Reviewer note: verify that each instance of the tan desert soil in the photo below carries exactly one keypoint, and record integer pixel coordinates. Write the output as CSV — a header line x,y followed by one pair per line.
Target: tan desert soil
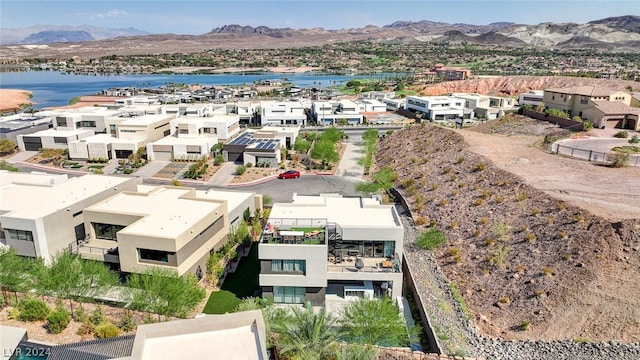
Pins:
x,y
11,99
613,194
570,272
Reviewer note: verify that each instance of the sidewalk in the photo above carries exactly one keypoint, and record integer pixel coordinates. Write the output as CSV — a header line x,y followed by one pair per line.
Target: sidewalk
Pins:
x,y
21,156
224,175
348,166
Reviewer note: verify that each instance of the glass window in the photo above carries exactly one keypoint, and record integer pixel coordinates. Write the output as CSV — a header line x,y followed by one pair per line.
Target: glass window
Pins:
x,y
61,121
288,265
106,231
154,255
288,295
23,235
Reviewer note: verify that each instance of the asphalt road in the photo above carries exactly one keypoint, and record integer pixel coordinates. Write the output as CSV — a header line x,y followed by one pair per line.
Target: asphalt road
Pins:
x,y
283,190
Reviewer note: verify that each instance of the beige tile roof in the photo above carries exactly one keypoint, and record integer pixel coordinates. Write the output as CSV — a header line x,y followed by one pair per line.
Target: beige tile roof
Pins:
x,y
615,107
584,90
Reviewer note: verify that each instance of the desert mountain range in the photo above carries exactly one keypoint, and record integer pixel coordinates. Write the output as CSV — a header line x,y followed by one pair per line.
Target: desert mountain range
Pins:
x,y
614,33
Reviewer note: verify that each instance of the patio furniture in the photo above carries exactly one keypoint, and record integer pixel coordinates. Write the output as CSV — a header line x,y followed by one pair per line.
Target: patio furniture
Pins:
x,y
311,234
388,264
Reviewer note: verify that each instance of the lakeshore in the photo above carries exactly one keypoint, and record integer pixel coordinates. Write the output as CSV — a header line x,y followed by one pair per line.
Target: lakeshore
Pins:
x,y
12,99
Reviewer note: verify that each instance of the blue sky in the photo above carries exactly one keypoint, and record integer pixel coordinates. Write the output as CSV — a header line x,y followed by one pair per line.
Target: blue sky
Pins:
x,y
198,17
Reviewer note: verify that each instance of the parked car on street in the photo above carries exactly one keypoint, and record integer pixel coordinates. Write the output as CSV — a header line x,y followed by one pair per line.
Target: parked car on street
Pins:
x,y
289,174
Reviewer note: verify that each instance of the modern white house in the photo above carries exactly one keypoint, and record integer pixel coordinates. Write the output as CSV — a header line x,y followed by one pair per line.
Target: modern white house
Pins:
x,y
42,214
337,112
261,147
126,135
436,107
329,248
22,124
533,98
85,118
372,105
235,336
193,136
51,139
282,113
170,227
68,125
484,106
394,104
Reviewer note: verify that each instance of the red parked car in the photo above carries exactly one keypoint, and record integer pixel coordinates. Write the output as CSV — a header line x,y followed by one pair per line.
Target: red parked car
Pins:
x,y
289,174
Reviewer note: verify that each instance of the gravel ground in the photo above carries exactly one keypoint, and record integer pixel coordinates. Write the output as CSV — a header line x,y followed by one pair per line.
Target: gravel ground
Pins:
x,y
458,336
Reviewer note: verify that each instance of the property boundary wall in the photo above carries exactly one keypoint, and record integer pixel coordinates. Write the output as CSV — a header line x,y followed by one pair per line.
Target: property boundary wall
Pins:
x,y
562,122
590,155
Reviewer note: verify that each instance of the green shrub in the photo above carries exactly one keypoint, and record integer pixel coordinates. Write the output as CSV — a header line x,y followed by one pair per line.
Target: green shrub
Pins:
x,y
218,160
80,315
33,310
587,125
618,160
634,139
622,134
14,314
58,320
431,239
97,316
85,329
127,322
557,112
106,330
240,169
249,164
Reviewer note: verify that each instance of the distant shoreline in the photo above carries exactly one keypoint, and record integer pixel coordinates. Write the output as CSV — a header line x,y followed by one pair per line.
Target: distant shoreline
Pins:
x,y
234,70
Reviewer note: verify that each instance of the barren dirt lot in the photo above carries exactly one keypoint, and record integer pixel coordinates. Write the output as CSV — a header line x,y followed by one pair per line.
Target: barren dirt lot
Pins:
x,y
532,238
610,193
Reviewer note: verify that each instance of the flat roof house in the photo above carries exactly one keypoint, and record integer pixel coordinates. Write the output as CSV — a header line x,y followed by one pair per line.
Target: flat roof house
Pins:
x,y
193,136
261,146
42,214
235,336
162,226
21,124
336,112
84,118
533,98
282,113
126,136
328,248
436,107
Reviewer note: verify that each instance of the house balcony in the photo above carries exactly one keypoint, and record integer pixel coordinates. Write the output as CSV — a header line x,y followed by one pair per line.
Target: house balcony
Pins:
x,y
295,237
295,232
369,265
97,249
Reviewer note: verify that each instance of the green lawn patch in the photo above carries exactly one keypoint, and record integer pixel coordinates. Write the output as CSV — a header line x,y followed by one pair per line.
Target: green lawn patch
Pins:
x,y
221,302
242,283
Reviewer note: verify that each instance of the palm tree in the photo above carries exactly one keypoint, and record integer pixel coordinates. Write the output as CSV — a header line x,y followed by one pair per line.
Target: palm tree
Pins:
x,y
307,335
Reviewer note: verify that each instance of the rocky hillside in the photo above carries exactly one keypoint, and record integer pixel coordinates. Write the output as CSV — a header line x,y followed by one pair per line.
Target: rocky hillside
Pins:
x,y
514,85
527,265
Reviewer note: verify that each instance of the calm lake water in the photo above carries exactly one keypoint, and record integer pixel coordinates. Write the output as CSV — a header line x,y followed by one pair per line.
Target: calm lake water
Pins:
x,y
52,88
